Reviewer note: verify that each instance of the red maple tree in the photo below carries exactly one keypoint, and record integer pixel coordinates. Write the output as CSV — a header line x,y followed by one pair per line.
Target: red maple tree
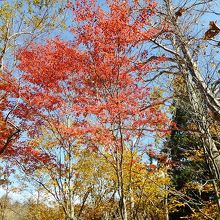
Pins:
x,y
98,79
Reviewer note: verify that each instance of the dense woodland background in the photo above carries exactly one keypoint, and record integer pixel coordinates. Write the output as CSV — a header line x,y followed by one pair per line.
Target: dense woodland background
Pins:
x,y
109,110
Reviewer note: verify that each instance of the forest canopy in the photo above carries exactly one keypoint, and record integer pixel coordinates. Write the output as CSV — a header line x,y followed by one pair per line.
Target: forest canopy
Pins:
x,y
110,110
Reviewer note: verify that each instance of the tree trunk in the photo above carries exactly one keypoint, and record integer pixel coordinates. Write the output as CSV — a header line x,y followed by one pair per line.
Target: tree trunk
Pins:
x,y
122,201
210,148
119,174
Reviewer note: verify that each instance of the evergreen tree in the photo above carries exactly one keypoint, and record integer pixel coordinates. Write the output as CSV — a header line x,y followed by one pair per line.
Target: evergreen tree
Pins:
x,y
190,173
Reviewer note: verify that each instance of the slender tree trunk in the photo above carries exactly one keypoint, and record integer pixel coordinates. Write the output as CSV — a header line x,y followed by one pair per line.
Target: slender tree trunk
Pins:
x,y
70,194
130,191
166,208
122,202
210,148
200,108
120,176
166,201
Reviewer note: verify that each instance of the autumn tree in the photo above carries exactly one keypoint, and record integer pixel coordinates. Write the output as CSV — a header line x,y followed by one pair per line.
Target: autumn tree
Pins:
x,y
21,22
96,81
